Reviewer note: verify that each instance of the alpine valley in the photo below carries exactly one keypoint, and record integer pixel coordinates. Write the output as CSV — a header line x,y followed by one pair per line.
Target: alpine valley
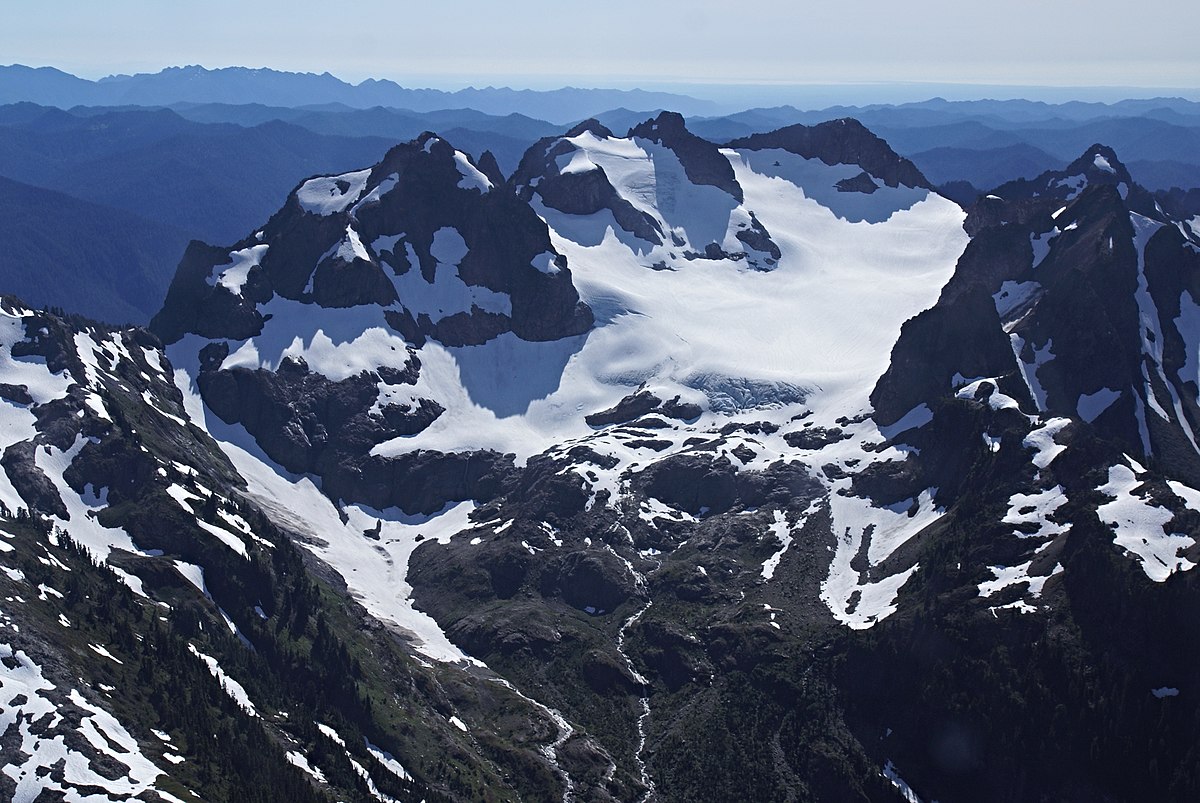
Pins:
x,y
660,469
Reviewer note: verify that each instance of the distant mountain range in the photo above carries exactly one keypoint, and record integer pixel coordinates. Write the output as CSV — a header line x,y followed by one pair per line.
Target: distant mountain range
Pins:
x,y
108,262
196,84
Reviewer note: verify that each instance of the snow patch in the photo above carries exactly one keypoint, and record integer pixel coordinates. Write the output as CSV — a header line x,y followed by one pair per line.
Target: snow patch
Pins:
x,y
854,601
348,249
1188,325
472,178
1140,526
101,650
231,686
996,400
1029,370
1041,246
1041,440
29,766
915,418
1036,509
447,294
1005,576
576,161
544,263
388,761
233,278
782,531
893,777
331,734
225,537
376,195
298,759
328,195
83,525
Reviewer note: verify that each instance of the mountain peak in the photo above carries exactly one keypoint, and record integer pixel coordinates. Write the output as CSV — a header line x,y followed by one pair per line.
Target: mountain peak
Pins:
x,y
665,124
1100,164
1097,167
843,141
701,159
590,126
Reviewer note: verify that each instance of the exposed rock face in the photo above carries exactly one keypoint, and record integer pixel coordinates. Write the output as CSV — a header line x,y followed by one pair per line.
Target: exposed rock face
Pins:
x,y
845,141
421,482
701,159
757,237
105,380
491,168
930,352
30,481
141,572
638,404
861,183
1061,269
813,438
589,171
988,435
195,305
596,581
305,421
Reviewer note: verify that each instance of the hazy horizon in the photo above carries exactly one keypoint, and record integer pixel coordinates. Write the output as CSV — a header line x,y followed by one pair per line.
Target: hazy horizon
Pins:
x,y
736,94
890,50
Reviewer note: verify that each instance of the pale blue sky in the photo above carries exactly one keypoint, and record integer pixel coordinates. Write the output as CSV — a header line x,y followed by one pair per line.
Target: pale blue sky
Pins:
x,y
541,43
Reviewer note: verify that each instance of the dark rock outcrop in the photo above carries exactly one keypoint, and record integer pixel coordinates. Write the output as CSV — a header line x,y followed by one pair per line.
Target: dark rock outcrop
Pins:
x,y
702,160
757,237
195,306
638,404
861,183
845,141
1053,334
31,482
596,580
303,419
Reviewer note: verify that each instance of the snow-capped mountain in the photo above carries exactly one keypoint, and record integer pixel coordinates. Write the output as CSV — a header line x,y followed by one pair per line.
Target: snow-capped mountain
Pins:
x,y
683,471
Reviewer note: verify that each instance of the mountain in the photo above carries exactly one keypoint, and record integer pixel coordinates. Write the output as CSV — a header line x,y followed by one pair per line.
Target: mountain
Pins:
x,y
395,124
239,85
661,470
102,262
1166,175
207,180
984,167
98,207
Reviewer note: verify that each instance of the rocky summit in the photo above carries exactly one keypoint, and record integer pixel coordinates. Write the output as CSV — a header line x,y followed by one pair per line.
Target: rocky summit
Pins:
x,y
661,470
